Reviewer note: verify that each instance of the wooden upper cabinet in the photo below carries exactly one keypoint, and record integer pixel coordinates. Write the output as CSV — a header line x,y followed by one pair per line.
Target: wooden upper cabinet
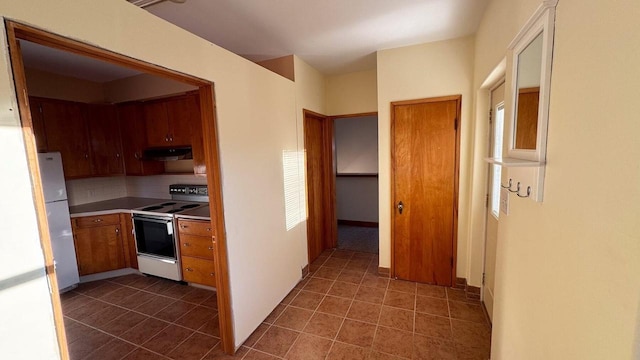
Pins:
x,y
172,121
180,115
133,133
66,131
38,124
157,124
104,134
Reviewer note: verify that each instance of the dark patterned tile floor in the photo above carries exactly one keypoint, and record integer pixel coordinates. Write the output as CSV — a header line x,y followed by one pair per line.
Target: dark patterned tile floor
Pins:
x,y
342,310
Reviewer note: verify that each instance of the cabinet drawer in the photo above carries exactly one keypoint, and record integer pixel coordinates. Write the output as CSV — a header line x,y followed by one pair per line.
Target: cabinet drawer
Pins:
x,y
194,227
98,220
198,246
199,271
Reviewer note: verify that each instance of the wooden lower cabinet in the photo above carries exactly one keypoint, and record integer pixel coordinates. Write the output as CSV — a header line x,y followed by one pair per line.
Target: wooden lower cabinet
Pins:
x,y
197,252
128,241
199,271
98,243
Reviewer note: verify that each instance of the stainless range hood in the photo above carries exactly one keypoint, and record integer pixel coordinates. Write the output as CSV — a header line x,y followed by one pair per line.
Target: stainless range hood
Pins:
x,y
167,154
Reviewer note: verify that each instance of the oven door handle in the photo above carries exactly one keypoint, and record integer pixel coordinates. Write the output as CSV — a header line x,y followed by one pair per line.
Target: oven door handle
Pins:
x,y
159,221
168,222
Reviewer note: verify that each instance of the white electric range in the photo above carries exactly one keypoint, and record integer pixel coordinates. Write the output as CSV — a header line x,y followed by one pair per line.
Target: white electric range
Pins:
x,y
154,230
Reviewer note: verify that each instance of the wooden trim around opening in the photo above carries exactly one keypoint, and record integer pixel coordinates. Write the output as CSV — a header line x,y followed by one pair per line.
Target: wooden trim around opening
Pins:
x,y
348,116
356,175
458,99
17,31
370,224
20,83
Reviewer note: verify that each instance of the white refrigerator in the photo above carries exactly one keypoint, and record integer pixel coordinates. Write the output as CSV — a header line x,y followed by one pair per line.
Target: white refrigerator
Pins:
x,y
55,197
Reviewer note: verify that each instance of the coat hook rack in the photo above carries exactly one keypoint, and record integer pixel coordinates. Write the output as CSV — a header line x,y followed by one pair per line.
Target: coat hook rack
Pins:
x,y
506,187
517,190
524,196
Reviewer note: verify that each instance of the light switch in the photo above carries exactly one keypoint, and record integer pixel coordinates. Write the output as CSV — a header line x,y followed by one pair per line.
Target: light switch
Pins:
x,y
504,201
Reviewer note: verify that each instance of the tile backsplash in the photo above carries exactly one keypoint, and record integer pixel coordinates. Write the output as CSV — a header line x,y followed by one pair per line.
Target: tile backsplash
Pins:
x,y
157,186
82,191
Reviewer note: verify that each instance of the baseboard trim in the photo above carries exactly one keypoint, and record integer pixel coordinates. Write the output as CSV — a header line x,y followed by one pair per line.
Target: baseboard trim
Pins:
x,y
370,224
383,271
305,271
108,275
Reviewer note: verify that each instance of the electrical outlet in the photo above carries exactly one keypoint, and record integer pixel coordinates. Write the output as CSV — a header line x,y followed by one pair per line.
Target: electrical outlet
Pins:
x,y
504,201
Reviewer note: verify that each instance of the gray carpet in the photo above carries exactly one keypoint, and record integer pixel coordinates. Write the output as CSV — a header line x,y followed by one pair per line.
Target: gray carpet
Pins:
x,y
356,238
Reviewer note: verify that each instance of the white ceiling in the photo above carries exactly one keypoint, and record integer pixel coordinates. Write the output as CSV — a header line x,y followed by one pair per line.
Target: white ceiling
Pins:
x,y
334,36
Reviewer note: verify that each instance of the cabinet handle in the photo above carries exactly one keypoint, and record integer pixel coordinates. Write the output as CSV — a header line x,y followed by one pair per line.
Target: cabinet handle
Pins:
x,y
183,226
117,231
97,220
171,138
187,244
86,156
166,138
210,248
209,229
117,155
212,274
136,156
189,269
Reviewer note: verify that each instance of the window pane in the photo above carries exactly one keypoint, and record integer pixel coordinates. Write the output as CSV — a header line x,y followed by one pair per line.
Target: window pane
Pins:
x,y
496,170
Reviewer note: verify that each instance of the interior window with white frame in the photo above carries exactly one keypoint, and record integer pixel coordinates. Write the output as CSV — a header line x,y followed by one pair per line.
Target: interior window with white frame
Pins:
x,y
496,152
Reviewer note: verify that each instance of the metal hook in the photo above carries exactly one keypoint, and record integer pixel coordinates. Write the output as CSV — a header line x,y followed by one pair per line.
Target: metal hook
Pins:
x,y
528,192
517,190
506,187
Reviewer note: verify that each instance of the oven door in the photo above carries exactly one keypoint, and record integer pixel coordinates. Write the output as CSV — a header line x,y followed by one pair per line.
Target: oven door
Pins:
x,y
154,236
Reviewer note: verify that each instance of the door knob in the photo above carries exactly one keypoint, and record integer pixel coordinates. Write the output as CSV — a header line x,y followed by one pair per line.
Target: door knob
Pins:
x,y
400,207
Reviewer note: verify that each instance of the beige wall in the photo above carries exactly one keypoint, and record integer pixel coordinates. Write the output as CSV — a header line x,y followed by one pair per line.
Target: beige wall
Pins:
x,y
424,71
54,86
256,122
352,93
567,268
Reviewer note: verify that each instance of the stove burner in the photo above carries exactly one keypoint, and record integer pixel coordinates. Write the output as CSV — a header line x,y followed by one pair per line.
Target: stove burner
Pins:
x,y
151,208
173,211
189,206
167,204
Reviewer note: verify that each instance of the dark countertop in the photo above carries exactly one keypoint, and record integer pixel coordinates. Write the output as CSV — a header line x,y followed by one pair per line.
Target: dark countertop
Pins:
x,y
124,204
201,213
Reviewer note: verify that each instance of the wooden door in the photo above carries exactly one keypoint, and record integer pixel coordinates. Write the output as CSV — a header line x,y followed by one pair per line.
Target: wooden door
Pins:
x,y
66,132
134,139
104,134
157,124
424,159
321,223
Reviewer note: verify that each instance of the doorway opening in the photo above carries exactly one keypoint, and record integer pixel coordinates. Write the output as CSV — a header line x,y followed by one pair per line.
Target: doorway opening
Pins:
x,y
356,181
93,162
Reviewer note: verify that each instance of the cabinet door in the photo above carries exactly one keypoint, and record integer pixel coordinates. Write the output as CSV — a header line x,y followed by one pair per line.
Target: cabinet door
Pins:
x,y
99,249
66,132
182,112
157,124
197,142
134,140
128,241
38,124
104,134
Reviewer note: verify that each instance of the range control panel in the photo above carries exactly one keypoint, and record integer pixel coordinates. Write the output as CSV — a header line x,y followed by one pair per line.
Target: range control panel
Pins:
x,y
181,189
